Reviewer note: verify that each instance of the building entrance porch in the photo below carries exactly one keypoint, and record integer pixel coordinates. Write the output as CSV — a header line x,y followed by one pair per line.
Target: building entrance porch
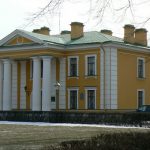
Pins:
x,y
29,84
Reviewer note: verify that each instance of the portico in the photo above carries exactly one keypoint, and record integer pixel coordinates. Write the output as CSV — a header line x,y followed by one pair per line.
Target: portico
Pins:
x,y
28,84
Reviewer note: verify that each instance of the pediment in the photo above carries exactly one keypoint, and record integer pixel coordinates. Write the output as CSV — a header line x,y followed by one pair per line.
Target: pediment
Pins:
x,y
18,40
20,37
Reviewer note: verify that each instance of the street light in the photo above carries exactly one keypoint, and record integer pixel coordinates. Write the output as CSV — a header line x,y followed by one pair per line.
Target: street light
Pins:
x,y
57,86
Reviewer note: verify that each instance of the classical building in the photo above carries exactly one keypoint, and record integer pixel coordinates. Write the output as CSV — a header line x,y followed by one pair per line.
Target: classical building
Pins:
x,y
74,70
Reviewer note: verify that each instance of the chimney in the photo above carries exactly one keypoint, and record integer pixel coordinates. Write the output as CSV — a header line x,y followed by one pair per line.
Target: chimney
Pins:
x,y
141,36
129,33
76,30
43,30
36,31
105,31
65,32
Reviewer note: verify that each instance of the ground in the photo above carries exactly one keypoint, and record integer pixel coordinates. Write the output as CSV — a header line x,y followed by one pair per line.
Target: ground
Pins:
x,y
29,136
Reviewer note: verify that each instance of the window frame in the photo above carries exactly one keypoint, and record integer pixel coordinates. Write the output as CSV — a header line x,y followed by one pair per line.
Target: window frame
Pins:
x,y
69,90
86,95
143,100
143,76
86,64
69,65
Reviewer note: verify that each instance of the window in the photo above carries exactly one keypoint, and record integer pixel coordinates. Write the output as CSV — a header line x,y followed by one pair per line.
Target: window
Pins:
x,y
73,66
90,98
91,65
140,98
141,68
73,99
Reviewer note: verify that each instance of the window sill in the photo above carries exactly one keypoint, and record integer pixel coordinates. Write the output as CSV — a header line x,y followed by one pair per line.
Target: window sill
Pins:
x,y
91,76
73,77
141,78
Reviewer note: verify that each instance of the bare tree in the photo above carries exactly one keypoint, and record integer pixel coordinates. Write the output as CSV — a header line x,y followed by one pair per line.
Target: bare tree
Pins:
x,y
97,8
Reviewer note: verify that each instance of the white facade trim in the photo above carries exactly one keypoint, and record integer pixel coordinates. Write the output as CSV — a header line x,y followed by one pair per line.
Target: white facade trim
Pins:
x,y
108,72
102,78
69,57
7,86
14,84
46,84
1,84
86,96
73,89
62,81
86,63
36,99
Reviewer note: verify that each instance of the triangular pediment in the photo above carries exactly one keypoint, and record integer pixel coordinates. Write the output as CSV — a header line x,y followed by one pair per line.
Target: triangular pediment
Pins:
x,y
19,37
18,40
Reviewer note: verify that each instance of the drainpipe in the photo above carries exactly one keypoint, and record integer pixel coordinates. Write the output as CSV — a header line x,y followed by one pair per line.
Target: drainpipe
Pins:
x,y
102,47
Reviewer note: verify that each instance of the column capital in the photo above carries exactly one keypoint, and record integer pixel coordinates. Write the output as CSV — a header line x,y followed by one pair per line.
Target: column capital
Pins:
x,y
6,60
62,58
36,58
46,57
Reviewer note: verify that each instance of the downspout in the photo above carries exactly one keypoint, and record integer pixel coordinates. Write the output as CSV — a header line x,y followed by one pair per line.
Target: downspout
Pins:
x,y
102,47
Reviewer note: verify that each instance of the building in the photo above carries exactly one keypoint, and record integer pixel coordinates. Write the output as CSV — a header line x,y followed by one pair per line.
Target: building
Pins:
x,y
74,70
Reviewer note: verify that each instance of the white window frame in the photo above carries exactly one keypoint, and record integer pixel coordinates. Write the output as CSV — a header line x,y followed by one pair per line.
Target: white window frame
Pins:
x,y
143,59
73,89
86,64
69,58
138,90
86,96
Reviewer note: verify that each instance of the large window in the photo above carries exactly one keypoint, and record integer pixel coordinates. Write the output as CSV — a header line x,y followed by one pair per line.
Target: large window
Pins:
x,y
91,65
73,99
91,98
140,98
73,66
141,68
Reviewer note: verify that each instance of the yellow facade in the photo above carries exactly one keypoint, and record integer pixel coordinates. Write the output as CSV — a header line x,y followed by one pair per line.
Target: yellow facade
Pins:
x,y
83,81
116,81
128,82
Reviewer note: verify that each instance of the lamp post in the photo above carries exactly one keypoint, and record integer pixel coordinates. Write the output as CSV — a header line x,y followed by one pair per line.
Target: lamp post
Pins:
x,y
57,85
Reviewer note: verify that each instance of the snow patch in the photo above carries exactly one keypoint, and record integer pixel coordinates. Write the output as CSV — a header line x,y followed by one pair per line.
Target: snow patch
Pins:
x,y
65,124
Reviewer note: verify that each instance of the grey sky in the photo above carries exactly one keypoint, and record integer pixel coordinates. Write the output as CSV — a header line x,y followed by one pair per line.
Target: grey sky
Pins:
x,y
14,15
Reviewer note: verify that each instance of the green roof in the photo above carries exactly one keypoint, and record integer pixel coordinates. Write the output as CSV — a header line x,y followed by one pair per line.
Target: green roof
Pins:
x,y
65,39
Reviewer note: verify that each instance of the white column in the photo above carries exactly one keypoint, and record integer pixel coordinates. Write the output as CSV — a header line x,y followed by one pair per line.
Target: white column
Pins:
x,y
62,81
46,86
7,85
1,85
36,99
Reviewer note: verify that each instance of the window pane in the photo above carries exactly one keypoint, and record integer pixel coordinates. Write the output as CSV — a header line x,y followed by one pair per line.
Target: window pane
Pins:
x,y
140,98
91,65
140,68
91,99
73,99
73,66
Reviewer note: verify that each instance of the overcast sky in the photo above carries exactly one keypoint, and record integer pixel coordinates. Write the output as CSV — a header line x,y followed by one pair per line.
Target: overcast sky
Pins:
x,y
16,14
